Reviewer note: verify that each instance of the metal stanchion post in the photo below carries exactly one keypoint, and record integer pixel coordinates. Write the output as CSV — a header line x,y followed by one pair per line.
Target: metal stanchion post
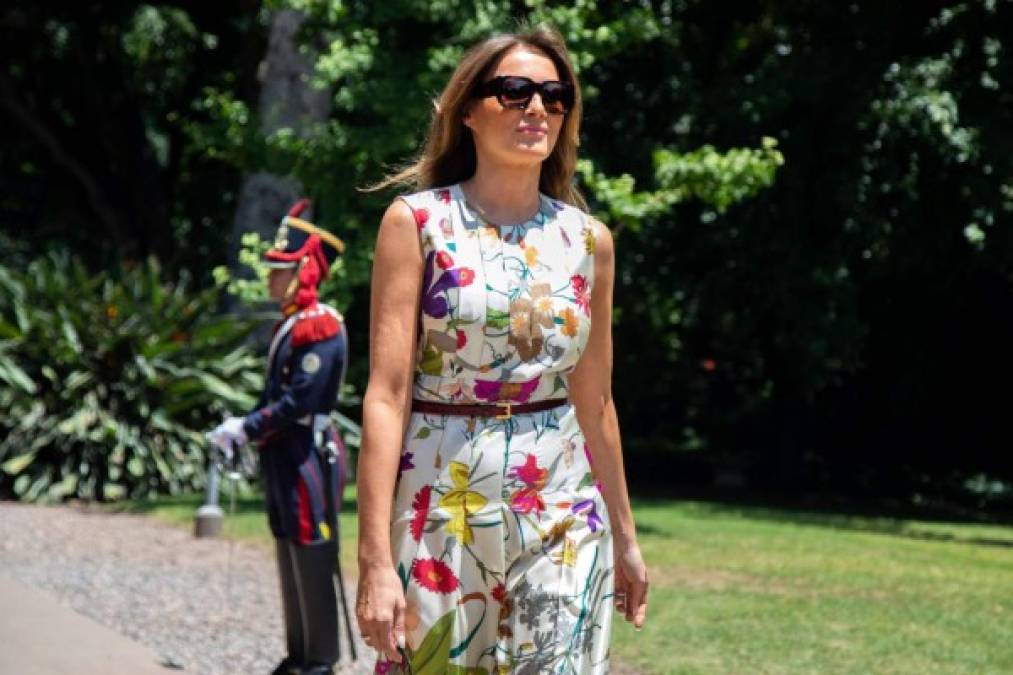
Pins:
x,y
209,518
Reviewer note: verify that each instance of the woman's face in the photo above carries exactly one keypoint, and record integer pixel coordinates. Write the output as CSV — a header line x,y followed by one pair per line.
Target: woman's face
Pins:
x,y
515,137
278,280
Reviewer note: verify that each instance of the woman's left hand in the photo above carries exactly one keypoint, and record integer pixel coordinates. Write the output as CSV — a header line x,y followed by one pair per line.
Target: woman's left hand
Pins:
x,y
630,583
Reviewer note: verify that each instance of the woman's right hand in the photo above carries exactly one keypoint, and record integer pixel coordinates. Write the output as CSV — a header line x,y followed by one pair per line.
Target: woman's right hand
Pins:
x,y
380,609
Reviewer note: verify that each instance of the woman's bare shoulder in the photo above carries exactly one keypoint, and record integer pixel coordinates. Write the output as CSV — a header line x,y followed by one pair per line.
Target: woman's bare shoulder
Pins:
x,y
397,240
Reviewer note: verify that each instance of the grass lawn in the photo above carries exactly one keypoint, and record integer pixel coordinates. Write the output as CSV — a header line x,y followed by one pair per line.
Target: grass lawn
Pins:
x,y
761,590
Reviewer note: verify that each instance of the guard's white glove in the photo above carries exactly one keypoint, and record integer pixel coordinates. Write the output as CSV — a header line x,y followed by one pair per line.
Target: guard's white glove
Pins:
x,y
229,434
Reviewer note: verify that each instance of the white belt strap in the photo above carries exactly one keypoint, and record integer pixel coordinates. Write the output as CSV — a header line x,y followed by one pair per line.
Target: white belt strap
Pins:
x,y
319,421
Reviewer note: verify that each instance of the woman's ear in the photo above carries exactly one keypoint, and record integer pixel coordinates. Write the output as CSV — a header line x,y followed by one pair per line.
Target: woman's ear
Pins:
x,y
466,115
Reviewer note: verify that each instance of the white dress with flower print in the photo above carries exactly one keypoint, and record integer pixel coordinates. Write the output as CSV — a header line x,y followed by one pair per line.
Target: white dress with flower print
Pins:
x,y
499,531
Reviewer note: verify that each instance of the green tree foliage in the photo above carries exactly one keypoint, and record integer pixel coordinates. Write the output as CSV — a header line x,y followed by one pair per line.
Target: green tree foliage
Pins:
x,y
811,201
99,101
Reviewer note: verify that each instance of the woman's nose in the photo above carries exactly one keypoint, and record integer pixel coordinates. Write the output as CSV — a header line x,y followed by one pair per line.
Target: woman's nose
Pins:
x,y
532,108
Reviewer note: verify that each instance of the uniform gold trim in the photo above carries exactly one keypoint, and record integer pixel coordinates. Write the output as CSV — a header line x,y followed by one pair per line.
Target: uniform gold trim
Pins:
x,y
310,228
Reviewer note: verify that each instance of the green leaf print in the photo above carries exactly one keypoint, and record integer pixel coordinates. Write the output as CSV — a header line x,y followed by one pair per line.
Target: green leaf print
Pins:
x,y
497,318
456,651
423,432
433,654
588,479
432,360
461,670
403,573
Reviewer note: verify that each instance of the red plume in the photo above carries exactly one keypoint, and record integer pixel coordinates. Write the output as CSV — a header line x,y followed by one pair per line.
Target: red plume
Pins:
x,y
299,207
315,324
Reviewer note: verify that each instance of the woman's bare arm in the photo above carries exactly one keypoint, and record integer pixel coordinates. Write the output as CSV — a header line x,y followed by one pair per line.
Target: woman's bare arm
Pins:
x,y
591,391
591,394
393,310
393,315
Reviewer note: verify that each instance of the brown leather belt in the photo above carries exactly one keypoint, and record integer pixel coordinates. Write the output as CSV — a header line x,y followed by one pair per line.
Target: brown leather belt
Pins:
x,y
502,410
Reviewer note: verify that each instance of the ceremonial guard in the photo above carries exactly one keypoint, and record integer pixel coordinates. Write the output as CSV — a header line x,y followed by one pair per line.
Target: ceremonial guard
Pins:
x,y
301,454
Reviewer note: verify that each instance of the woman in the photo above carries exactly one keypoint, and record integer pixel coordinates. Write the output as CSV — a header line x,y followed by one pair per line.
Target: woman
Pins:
x,y
489,395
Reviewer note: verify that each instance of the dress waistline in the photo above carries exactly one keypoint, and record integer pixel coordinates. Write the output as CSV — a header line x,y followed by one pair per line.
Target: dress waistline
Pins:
x,y
502,410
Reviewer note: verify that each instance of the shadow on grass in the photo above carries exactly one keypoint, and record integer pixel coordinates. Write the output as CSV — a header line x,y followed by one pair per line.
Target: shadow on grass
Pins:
x,y
854,516
857,516
249,503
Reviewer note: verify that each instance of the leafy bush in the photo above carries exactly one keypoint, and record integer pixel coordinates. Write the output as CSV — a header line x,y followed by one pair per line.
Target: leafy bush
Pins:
x,y
108,381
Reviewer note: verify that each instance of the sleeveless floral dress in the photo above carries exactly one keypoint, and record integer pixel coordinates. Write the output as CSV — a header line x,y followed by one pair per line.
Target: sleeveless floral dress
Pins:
x,y
499,531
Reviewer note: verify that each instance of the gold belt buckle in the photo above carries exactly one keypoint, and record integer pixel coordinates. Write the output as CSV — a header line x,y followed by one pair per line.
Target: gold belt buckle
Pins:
x,y
508,413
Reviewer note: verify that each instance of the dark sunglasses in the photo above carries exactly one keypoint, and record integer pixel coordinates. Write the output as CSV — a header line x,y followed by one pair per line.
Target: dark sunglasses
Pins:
x,y
515,92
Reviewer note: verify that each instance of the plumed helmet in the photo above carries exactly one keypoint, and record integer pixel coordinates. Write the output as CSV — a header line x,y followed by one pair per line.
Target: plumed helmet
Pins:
x,y
301,244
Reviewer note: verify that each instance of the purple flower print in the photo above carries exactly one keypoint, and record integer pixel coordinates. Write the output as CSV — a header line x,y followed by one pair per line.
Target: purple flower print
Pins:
x,y
586,506
406,463
434,302
497,390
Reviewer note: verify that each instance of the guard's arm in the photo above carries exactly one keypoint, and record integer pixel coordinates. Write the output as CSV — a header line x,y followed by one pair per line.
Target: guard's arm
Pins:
x,y
311,367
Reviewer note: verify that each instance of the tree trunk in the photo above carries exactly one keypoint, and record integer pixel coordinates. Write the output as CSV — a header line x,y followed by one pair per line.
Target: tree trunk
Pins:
x,y
286,101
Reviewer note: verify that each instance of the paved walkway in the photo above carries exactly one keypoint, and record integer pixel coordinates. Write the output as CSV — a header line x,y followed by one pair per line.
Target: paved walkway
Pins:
x,y
40,636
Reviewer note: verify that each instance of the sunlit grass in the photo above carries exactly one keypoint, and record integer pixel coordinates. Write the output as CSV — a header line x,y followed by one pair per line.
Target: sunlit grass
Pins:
x,y
763,590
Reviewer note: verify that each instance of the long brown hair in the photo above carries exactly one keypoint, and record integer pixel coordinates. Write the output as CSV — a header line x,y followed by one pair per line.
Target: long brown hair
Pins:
x,y
448,155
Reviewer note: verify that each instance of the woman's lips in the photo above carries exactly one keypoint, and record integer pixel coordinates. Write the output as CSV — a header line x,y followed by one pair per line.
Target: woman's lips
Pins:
x,y
533,130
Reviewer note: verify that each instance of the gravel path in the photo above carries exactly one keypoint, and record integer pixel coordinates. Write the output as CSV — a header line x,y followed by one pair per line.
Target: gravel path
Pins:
x,y
156,584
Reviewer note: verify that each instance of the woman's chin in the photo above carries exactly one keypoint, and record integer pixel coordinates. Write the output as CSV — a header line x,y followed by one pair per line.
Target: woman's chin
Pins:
x,y
530,153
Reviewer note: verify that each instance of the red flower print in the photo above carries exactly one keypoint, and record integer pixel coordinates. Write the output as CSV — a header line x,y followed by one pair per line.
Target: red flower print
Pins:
x,y
499,592
462,338
580,290
421,506
434,575
421,216
467,276
532,475
527,500
443,196
383,666
444,260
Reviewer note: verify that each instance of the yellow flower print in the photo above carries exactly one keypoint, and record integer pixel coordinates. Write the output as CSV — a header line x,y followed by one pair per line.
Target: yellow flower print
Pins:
x,y
570,322
568,556
544,305
519,321
531,256
460,503
588,239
